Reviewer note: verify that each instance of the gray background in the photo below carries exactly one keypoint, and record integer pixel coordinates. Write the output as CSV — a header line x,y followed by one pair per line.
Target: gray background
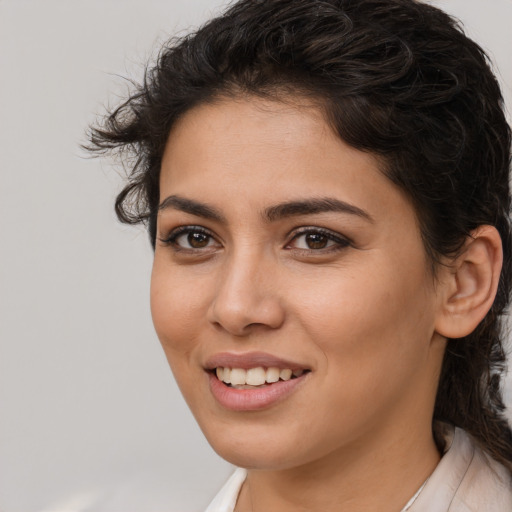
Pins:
x,y
91,419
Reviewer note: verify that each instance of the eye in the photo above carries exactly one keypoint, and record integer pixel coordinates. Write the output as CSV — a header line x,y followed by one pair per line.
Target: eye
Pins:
x,y
316,239
191,238
194,240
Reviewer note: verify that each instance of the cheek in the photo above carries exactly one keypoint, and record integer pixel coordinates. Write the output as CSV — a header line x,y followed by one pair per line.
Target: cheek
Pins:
x,y
176,309
370,318
177,312
374,338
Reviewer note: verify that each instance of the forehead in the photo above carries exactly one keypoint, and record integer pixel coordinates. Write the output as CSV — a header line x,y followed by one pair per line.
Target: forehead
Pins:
x,y
228,134
255,121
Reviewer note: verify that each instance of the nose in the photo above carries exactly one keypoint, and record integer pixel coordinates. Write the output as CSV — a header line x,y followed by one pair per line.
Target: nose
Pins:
x,y
247,296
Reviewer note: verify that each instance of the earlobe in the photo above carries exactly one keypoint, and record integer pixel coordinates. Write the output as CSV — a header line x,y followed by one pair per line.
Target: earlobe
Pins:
x,y
470,284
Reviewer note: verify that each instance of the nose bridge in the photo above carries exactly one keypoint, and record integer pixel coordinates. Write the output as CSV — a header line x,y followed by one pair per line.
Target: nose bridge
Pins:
x,y
246,293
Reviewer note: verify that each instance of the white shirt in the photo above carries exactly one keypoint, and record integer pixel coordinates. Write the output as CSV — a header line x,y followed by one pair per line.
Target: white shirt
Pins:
x,y
465,480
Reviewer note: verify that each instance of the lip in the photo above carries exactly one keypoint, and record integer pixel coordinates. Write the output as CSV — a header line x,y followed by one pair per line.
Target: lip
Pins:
x,y
260,397
253,399
251,360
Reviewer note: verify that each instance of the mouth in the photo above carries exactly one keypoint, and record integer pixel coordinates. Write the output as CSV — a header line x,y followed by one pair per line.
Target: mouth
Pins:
x,y
253,381
255,378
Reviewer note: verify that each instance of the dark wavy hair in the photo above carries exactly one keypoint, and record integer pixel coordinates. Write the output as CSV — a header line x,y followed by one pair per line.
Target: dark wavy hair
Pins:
x,y
396,78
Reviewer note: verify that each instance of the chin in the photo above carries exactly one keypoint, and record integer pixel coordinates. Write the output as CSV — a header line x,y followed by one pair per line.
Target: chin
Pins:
x,y
256,457
259,448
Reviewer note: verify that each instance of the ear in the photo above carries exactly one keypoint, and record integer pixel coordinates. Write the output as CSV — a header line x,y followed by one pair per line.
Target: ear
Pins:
x,y
469,284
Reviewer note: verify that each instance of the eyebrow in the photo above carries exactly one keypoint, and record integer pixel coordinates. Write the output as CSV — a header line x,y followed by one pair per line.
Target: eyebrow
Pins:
x,y
272,213
193,207
312,206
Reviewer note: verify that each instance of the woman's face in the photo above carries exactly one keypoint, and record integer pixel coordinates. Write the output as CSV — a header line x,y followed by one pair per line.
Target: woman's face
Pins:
x,y
281,248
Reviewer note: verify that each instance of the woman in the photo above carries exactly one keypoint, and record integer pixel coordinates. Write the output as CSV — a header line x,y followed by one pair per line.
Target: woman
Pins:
x,y
325,184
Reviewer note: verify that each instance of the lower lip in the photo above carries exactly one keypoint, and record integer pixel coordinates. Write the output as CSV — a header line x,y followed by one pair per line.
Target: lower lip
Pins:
x,y
253,399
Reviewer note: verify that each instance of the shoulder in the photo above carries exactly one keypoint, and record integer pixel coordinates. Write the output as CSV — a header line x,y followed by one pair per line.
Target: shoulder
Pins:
x,y
466,480
486,486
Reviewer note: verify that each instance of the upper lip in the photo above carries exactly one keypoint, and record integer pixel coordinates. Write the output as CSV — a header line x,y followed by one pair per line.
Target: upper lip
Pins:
x,y
250,360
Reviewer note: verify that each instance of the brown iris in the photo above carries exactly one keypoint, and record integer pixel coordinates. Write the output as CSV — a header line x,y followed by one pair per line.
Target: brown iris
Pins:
x,y
316,240
198,240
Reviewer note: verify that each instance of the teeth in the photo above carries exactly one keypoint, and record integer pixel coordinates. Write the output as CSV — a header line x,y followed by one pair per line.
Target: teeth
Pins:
x,y
258,376
272,375
285,374
238,376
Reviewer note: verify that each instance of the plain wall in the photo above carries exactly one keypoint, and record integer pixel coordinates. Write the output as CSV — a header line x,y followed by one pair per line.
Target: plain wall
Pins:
x,y
91,419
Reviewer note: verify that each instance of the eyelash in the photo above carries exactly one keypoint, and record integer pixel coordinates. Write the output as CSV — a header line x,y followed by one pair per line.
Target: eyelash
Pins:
x,y
340,242
172,238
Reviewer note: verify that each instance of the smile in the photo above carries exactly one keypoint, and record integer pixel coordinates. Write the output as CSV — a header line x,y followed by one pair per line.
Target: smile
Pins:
x,y
254,382
241,378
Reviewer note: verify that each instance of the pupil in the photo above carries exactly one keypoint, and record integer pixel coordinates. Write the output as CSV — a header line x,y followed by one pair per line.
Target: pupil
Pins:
x,y
197,240
316,241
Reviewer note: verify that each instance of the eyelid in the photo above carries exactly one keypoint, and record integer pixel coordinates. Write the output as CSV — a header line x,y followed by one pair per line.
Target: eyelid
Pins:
x,y
342,241
178,231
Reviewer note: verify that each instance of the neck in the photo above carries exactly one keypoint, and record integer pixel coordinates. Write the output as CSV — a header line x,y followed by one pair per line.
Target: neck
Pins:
x,y
367,477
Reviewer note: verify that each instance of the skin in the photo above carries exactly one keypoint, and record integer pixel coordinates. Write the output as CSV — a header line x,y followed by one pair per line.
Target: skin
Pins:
x,y
362,313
